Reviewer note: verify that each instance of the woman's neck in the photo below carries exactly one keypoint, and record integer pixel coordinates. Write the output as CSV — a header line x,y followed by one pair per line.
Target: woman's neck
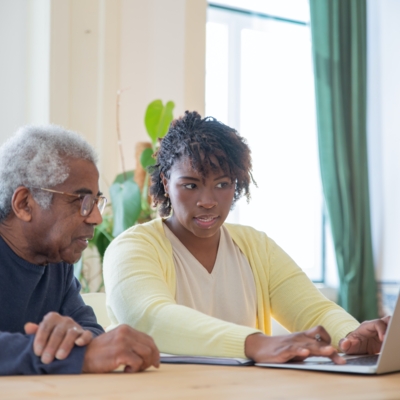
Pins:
x,y
204,249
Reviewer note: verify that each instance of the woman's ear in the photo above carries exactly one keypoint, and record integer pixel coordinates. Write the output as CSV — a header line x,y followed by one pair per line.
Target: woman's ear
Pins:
x,y
22,203
164,181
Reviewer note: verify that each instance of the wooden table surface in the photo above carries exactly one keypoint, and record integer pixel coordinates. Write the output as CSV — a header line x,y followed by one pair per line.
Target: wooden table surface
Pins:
x,y
203,382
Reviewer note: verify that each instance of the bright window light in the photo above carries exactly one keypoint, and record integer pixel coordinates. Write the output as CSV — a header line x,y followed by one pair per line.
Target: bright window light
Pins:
x,y
259,79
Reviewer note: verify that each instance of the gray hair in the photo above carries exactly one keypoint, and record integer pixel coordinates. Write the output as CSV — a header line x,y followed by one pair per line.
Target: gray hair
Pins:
x,y
34,158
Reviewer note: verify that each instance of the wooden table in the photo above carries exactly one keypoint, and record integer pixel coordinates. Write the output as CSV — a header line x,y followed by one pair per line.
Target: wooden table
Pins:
x,y
203,382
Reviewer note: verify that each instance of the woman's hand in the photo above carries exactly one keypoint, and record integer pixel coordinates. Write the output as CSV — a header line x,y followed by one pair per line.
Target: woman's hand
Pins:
x,y
367,338
296,346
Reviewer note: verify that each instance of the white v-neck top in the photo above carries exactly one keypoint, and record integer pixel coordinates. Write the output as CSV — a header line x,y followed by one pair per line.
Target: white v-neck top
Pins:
x,y
228,293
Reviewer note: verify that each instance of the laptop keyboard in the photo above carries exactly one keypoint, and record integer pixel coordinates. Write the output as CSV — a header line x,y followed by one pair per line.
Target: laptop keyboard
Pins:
x,y
366,360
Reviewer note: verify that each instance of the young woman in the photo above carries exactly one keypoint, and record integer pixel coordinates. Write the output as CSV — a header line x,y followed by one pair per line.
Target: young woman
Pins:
x,y
203,287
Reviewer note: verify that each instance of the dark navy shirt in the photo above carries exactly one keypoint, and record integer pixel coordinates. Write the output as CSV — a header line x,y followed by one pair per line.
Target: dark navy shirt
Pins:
x,y
27,293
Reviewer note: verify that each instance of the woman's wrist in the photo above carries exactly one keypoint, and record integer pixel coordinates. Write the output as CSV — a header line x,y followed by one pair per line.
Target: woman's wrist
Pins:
x,y
252,344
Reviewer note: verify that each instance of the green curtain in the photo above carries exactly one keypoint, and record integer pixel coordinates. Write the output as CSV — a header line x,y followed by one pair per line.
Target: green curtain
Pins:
x,y
339,54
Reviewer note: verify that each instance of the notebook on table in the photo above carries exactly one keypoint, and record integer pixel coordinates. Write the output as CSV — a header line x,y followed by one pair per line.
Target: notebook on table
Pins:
x,y
182,359
387,361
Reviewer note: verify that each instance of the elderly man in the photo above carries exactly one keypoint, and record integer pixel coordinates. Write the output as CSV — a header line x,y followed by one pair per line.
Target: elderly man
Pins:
x,y
49,205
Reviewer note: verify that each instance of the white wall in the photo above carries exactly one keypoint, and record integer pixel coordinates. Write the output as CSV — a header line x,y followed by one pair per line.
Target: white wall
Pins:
x,y
13,65
24,66
84,71
64,61
38,62
162,57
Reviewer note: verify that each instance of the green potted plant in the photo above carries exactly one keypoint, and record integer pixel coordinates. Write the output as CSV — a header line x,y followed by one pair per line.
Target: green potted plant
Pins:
x,y
129,202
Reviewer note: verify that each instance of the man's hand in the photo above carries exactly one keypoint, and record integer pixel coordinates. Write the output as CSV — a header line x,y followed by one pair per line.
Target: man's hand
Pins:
x,y
367,338
121,346
55,337
296,346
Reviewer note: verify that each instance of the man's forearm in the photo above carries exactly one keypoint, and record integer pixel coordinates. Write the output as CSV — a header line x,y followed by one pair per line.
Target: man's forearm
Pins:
x,y
17,357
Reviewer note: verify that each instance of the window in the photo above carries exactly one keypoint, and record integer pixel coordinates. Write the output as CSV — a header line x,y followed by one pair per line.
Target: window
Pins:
x,y
259,80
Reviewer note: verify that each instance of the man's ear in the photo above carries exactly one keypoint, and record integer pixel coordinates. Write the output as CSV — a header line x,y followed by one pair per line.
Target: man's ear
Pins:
x,y
22,203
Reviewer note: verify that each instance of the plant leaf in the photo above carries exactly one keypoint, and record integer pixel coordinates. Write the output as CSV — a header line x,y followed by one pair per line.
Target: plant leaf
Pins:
x,y
146,159
158,118
126,205
102,243
102,235
120,177
167,118
78,268
152,118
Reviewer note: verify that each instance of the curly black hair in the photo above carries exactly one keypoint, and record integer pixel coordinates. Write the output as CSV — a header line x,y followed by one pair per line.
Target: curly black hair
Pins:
x,y
200,139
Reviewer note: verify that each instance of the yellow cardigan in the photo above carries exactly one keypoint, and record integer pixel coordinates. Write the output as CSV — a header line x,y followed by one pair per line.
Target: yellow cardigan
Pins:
x,y
140,282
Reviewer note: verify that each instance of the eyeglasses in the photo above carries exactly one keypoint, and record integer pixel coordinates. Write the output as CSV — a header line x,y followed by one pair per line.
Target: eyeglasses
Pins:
x,y
88,201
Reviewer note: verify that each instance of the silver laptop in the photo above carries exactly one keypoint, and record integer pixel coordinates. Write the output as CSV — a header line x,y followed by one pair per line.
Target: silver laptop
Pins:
x,y
387,361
